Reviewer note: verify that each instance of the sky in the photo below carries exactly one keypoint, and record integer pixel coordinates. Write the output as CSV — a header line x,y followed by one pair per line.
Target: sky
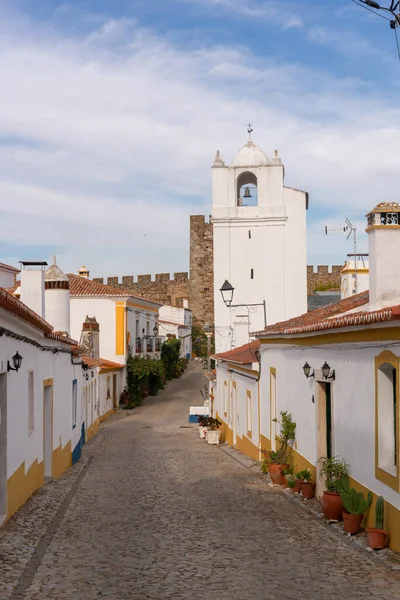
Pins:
x,y
111,114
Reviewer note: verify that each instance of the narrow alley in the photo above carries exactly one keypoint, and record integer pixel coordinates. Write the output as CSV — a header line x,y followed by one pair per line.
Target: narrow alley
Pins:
x,y
152,512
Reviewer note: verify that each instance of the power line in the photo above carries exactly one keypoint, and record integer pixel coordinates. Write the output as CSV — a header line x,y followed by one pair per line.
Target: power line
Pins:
x,y
370,10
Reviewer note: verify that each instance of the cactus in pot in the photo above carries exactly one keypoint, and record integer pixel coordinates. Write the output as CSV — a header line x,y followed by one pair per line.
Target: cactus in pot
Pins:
x,y
355,506
377,536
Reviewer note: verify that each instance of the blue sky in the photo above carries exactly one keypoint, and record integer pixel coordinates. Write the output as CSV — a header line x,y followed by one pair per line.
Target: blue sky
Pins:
x,y
111,113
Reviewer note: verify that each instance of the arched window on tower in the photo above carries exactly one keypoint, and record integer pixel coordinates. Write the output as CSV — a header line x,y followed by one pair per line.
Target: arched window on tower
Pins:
x,y
247,191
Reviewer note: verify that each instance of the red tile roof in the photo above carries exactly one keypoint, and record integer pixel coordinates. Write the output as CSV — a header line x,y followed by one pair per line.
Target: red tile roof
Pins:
x,y
102,363
243,355
332,317
18,308
80,287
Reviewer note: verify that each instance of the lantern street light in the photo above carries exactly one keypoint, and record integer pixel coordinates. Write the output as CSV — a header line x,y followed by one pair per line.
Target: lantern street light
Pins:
x,y
307,371
326,371
227,290
17,361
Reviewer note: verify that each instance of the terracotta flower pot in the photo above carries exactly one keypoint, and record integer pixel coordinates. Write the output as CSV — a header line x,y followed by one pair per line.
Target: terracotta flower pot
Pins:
x,y
352,523
331,506
377,538
297,487
307,489
275,472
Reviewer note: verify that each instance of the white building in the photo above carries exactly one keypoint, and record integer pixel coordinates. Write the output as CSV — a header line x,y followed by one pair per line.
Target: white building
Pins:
x,y
8,276
125,320
40,403
177,322
347,406
354,277
259,229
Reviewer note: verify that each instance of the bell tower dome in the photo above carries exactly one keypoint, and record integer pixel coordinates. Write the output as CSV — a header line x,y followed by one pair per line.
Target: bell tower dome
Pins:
x,y
259,228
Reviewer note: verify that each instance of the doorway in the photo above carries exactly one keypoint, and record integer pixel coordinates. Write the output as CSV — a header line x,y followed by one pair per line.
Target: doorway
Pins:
x,y
272,387
48,429
114,392
3,448
324,427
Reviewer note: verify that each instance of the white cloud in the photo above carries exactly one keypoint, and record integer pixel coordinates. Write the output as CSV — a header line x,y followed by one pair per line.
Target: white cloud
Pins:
x,y
106,142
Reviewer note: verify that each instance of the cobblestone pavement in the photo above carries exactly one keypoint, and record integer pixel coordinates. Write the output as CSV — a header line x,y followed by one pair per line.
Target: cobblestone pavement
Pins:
x,y
153,512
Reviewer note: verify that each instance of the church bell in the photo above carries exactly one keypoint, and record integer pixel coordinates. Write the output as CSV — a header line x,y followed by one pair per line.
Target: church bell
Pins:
x,y
247,193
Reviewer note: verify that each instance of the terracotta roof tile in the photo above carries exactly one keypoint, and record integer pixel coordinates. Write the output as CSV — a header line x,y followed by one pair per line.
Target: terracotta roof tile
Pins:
x,y
243,355
332,317
102,363
80,287
18,308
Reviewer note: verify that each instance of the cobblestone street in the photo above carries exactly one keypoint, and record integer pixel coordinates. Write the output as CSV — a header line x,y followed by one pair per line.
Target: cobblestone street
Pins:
x,y
153,512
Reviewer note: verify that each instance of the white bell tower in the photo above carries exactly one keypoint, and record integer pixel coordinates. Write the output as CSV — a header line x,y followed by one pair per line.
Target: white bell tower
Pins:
x,y
259,229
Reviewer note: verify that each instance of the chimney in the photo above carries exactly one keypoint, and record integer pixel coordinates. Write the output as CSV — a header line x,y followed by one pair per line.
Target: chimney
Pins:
x,y
84,272
90,338
384,250
32,286
57,299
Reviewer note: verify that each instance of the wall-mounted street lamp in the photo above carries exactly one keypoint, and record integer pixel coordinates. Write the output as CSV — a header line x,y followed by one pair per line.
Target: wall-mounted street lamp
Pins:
x,y
227,296
327,372
17,361
308,372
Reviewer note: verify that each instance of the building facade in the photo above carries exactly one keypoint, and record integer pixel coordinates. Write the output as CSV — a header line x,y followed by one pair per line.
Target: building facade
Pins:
x,y
259,230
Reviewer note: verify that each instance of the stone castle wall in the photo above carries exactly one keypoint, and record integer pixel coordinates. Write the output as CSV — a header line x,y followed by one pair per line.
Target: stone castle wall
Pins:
x,y
199,288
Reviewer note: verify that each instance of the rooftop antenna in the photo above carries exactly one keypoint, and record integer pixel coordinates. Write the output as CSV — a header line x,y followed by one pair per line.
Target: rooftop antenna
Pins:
x,y
393,9
249,130
332,229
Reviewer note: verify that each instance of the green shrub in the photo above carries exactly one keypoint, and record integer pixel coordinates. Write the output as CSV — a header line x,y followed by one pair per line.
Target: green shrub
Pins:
x,y
170,357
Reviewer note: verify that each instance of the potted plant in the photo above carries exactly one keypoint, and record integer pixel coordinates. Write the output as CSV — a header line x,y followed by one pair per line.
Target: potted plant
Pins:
x,y
332,469
377,536
213,433
299,479
355,506
286,475
306,484
291,482
278,461
202,421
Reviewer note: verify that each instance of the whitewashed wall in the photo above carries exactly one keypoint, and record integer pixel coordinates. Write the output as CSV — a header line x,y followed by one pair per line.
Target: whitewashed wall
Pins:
x,y
353,403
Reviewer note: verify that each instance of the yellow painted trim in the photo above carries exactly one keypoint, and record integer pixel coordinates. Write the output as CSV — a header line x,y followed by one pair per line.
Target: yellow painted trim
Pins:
x,y
245,445
142,306
47,382
391,520
361,270
265,443
226,431
120,329
243,369
371,227
344,337
249,401
21,485
61,460
393,481
106,415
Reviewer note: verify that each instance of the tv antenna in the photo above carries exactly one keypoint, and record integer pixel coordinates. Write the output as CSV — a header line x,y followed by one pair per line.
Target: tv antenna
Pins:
x,y
393,9
352,231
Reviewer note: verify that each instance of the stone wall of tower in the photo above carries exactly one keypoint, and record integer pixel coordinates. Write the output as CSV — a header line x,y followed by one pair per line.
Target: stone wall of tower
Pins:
x,y
201,297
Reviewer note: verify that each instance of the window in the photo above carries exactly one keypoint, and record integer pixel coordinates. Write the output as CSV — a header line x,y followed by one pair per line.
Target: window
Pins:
x,y
225,398
249,417
251,273
249,234
108,387
31,402
387,420
74,402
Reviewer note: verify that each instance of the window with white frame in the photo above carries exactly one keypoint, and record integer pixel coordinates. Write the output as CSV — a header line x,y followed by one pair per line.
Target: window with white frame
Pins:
x,y
387,418
74,402
225,398
108,387
31,402
249,413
